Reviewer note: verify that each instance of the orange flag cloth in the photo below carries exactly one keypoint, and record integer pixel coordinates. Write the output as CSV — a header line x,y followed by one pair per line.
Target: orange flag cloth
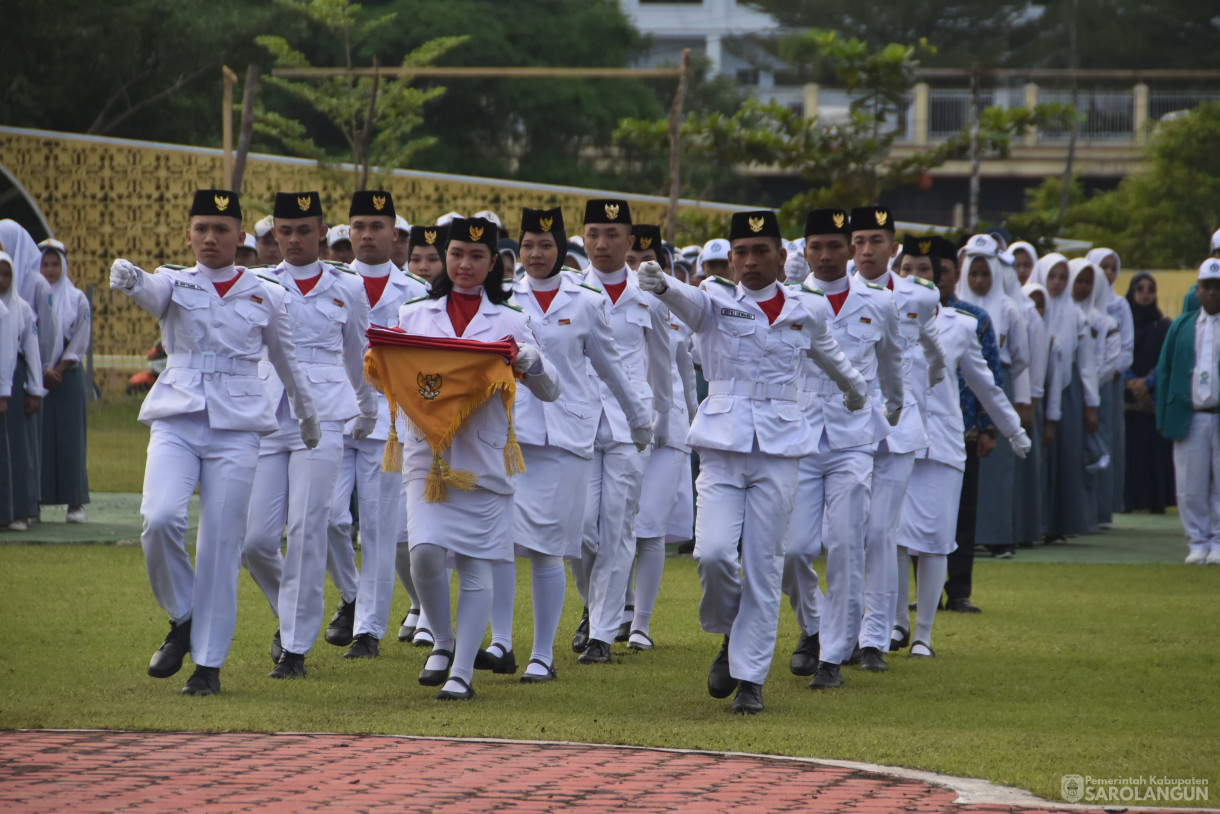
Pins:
x,y
439,383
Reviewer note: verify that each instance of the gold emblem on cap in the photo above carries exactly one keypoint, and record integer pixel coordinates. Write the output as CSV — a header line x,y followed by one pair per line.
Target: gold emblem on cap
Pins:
x,y
882,216
304,202
221,201
379,202
546,223
612,211
925,246
756,224
839,219
645,243
429,236
476,233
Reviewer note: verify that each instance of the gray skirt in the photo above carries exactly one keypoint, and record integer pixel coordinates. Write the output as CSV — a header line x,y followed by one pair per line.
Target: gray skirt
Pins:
x,y
994,525
1103,492
1027,520
25,448
1070,503
65,476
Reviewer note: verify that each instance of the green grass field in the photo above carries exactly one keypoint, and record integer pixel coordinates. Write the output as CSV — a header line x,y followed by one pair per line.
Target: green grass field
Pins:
x,y
117,444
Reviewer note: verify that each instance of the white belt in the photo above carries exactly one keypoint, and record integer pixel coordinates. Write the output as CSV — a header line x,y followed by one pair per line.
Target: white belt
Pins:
x,y
210,362
758,391
321,355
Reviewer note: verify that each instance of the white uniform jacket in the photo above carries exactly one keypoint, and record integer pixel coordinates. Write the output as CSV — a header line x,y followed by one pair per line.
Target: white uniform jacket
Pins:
x,y
479,445
866,329
19,337
574,333
328,327
754,368
640,324
400,288
686,400
946,432
205,335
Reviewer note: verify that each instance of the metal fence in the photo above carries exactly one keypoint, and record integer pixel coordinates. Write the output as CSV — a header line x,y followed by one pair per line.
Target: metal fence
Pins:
x,y
949,110
1105,115
1163,102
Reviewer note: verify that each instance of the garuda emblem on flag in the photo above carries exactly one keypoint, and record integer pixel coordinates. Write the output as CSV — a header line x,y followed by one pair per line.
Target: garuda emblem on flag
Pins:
x,y
439,383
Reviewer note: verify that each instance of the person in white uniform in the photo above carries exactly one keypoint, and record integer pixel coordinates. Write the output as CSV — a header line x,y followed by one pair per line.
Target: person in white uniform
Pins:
x,y
640,326
18,349
916,301
294,484
473,527
571,320
751,435
929,514
835,479
364,613
207,412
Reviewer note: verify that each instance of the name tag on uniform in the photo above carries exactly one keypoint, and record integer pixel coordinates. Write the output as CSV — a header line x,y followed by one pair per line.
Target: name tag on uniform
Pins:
x,y
729,312
183,284
565,322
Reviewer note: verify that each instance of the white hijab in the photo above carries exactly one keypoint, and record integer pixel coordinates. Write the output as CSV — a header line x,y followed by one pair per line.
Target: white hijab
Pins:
x,y
64,294
1106,291
1032,286
1088,307
1062,317
995,300
9,297
26,258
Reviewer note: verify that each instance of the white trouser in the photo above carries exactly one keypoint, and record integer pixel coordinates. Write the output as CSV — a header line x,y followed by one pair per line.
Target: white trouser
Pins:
x,y
616,475
832,511
1196,465
382,506
660,493
746,498
293,484
891,477
184,452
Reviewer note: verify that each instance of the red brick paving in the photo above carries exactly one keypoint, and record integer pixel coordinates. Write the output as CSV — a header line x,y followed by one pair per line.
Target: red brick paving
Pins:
x,y
94,771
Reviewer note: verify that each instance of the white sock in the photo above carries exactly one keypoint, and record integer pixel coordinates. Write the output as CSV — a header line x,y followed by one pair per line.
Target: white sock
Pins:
x,y
549,586
902,601
473,614
402,565
503,595
649,565
929,583
432,583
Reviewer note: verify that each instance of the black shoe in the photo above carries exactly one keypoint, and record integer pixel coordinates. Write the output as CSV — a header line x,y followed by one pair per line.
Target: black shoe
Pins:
x,y
624,630
962,605
931,654
406,631
687,547
435,678
365,646
339,633
872,660
720,683
804,660
464,695
827,677
901,642
854,658
596,652
639,640
290,665
423,638
749,698
580,639
277,648
504,663
530,678
168,658
204,681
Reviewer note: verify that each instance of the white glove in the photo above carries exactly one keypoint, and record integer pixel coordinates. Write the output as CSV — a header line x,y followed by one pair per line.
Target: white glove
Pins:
x,y
124,275
311,431
893,416
660,431
936,375
855,400
1020,443
527,358
641,437
651,277
363,426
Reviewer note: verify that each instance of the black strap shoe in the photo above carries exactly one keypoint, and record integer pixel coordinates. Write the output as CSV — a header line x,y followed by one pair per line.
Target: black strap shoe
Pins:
x,y
930,654
406,631
423,638
465,694
596,652
498,661
624,630
804,661
339,632
639,640
290,665
872,660
277,647
580,639
827,677
204,681
365,646
899,642
530,678
168,658
720,683
749,698
435,678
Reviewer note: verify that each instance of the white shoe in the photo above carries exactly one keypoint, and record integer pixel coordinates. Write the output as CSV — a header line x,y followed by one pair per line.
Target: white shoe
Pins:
x,y
1213,558
1197,556
18,525
77,515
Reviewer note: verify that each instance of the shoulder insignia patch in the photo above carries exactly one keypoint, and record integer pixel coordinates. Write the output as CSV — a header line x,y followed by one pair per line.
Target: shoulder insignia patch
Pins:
x,y
925,283
875,287
416,277
812,290
965,313
510,305
339,266
718,279
269,279
170,267
414,300
260,266
592,288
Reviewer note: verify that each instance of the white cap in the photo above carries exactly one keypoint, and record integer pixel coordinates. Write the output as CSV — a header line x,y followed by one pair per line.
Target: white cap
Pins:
x,y
1216,240
400,223
578,240
336,233
52,243
487,214
1210,270
264,226
690,252
987,246
444,219
714,249
251,242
